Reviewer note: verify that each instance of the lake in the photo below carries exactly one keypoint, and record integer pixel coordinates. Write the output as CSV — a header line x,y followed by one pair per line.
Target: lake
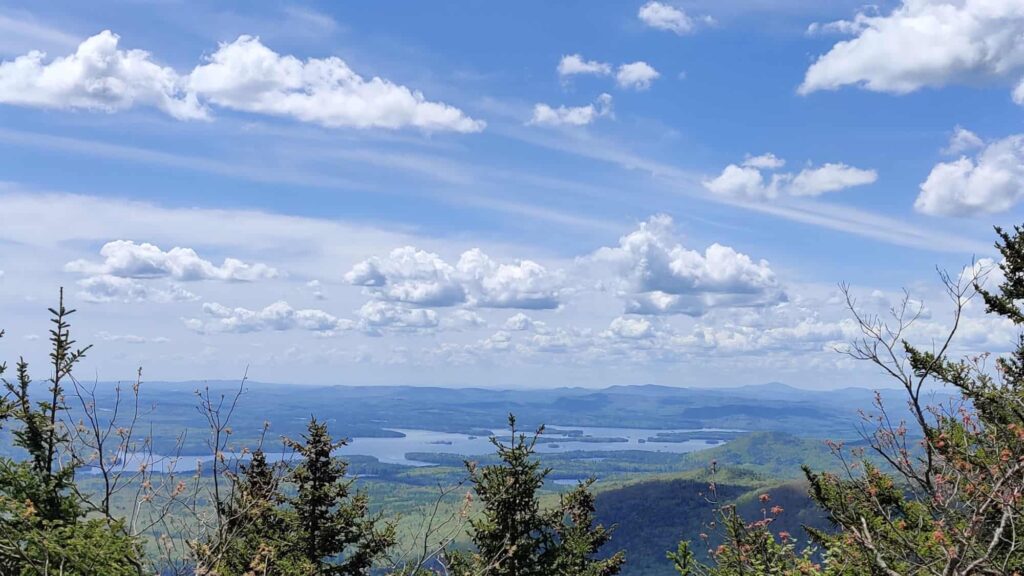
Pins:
x,y
556,439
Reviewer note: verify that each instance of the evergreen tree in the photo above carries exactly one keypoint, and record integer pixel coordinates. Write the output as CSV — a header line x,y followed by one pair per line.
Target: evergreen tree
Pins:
x,y
253,537
514,536
580,539
307,522
43,525
948,504
328,525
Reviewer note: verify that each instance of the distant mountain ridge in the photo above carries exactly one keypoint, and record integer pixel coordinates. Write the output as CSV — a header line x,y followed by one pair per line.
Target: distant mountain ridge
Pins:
x,y
369,411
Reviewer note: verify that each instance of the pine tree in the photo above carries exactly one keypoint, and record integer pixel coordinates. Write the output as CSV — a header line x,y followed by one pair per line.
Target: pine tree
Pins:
x,y
948,503
329,525
43,525
514,536
254,535
580,539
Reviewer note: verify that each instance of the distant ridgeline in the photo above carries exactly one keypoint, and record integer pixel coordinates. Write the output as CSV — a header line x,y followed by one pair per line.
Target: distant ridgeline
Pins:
x,y
374,412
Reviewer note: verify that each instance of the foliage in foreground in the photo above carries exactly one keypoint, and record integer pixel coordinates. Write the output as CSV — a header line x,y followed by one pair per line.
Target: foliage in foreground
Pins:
x,y
251,518
514,536
44,527
952,504
322,530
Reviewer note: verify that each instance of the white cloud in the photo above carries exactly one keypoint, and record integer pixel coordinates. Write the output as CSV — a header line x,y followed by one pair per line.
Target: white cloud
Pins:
x,y
1018,92
989,183
748,181
126,259
107,288
802,337
847,27
377,316
573,64
419,278
963,140
519,322
98,76
575,116
409,275
277,316
317,288
665,17
130,338
520,284
242,75
743,182
923,43
633,328
829,178
246,75
636,75
660,276
463,320
764,161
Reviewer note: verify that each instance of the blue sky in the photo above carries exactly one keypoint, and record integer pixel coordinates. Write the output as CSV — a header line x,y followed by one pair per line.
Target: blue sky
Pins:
x,y
531,194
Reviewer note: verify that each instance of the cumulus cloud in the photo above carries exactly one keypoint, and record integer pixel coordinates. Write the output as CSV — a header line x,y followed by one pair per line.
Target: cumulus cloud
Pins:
x,y
519,284
660,276
636,75
632,328
829,178
241,75
107,288
923,43
410,275
419,278
246,75
545,115
463,320
573,64
764,161
748,180
963,140
378,316
317,288
278,316
806,335
519,322
98,76
665,17
991,182
127,259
